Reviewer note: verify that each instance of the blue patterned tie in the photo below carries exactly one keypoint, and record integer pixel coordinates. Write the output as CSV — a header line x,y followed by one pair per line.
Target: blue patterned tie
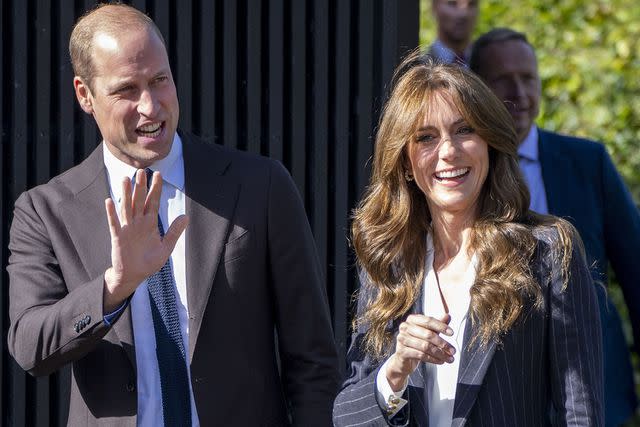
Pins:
x,y
174,380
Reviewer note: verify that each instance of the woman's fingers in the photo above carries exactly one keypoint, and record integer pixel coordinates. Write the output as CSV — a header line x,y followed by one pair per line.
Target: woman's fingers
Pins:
x,y
433,350
431,323
420,337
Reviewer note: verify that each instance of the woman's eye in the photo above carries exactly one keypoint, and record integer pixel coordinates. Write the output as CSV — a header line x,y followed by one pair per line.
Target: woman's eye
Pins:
x,y
425,138
464,130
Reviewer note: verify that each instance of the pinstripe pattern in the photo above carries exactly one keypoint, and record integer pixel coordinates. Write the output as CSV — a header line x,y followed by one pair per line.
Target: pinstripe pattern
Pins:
x,y
547,371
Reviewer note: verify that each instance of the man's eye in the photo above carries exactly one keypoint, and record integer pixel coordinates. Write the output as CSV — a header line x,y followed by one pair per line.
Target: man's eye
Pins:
x,y
125,89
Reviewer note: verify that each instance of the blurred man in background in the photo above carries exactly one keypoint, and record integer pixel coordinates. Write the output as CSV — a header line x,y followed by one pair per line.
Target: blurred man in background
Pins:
x,y
456,20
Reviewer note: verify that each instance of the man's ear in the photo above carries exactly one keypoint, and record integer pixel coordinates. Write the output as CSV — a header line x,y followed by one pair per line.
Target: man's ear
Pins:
x,y
84,95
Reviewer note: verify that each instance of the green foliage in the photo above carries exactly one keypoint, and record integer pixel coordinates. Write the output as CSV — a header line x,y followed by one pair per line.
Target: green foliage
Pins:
x,y
589,61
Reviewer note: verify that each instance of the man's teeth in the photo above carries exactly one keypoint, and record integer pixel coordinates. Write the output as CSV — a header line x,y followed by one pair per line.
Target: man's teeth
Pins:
x,y
452,174
151,130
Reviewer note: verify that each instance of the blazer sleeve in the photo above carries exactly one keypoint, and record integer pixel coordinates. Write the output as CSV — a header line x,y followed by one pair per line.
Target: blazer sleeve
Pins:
x,y
575,344
307,351
622,238
357,403
50,326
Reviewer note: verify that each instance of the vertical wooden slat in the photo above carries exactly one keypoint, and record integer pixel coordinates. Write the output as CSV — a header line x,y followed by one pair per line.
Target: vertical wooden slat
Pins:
x,y
21,403
87,140
230,74
365,97
253,55
387,58
340,174
5,58
208,56
66,109
298,95
184,61
317,162
43,89
276,79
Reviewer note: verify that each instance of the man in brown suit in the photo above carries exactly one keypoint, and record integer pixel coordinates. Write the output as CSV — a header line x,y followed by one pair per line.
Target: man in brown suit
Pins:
x,y
162,325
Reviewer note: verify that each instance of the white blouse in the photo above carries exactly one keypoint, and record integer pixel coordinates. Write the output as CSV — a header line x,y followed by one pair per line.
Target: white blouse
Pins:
x,y
441,380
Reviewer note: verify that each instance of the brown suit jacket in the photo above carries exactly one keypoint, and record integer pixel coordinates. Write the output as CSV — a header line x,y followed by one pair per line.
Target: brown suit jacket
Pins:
x,y
252,268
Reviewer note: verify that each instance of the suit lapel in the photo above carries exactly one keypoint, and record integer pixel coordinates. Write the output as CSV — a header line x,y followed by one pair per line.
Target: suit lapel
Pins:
x,y
210,201
555,185
474,362
85,213
417,380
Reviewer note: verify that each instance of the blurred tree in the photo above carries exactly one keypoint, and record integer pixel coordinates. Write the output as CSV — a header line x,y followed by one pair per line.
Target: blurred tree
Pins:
x,y
589,61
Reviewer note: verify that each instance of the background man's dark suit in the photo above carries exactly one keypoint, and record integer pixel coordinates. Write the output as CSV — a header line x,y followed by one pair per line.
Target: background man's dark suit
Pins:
x,y
583,186
251,264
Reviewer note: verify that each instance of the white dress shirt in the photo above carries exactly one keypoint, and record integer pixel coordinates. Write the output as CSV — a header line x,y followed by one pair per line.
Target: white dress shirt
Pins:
x,y
441,380
529,158
172,204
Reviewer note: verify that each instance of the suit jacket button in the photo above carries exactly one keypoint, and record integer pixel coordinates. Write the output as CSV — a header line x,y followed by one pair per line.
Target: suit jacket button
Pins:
x,y
131,386
87,319
76,326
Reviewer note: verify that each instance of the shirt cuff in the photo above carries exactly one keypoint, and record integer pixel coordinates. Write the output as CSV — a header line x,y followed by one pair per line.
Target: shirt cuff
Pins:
x,y
110,318
392,399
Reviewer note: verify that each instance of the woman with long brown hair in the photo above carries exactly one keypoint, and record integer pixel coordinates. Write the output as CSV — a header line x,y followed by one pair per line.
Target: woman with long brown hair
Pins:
x,y
472,309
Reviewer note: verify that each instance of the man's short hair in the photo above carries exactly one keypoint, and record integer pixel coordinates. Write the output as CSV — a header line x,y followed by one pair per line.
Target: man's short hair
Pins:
x,y
112,19
497,35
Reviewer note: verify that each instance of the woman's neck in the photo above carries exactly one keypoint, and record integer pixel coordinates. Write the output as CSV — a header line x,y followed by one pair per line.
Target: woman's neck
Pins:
x,y
451,235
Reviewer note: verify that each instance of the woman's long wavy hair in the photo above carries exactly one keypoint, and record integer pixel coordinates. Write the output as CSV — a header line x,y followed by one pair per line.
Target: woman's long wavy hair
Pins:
x,y
389,226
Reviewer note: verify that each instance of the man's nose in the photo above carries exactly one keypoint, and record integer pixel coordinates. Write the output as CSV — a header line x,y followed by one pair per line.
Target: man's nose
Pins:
x,y
147,104
518,89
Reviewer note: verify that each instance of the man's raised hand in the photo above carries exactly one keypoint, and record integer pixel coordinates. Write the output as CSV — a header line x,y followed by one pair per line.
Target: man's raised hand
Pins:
x,y
137,250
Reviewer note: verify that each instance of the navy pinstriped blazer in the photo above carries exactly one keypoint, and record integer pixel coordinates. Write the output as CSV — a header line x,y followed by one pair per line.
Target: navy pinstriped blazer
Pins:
x,y
547,371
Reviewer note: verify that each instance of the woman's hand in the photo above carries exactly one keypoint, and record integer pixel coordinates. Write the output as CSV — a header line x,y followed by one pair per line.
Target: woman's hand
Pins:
x,y
419,340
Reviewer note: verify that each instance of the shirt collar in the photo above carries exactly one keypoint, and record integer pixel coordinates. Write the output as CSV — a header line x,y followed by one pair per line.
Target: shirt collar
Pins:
x,y
447,55
171,167
529,147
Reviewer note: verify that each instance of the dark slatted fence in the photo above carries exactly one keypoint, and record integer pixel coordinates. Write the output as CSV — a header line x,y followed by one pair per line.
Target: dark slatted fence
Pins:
x,y
297,80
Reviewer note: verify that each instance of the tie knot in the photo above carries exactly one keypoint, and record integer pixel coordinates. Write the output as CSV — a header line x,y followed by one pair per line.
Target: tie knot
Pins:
x,y
149,177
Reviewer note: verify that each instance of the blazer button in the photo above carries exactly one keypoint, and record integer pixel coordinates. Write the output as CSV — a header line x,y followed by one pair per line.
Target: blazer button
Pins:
x,y
131,386
87,319
76,326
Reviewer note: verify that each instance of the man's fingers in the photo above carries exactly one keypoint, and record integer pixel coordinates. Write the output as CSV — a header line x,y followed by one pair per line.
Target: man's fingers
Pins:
x,y
173,233
152,203
139,193
125,202
112,217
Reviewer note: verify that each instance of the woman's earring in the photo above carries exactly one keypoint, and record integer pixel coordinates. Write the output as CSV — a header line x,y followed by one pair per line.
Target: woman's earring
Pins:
x,y
407,176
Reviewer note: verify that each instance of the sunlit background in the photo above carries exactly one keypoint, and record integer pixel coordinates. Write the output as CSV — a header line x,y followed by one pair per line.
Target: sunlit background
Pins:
x,y
589,61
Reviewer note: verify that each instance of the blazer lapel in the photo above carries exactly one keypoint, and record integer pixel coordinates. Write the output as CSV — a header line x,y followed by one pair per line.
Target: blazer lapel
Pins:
x,y
417,380
556,187
210,202
85,213
474,362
